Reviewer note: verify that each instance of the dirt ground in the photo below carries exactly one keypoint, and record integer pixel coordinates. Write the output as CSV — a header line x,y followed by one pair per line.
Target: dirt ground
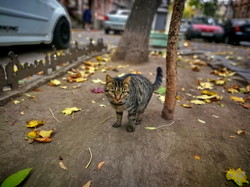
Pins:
x,y
145,158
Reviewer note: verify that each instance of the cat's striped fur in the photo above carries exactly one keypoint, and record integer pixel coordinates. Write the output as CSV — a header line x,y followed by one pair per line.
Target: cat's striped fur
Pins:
x,y
131,92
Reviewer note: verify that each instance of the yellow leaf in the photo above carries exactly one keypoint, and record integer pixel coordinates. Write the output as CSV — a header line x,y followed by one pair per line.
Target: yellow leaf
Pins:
x,y
162,98
150,128
61,164
55,82
186,106
99,58
45,134
35,123
232,90
237,99
207,92
80,79
238,176
240,132
16,102
201,121
204,97
197,102
87,184
68,111
63,87
205,85
32,134
98,81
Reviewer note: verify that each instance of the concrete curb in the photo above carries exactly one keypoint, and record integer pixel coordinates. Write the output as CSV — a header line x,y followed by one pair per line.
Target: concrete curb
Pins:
x,y
7,96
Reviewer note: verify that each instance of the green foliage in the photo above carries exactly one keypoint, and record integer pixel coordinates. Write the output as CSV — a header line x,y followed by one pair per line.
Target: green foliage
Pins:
x,y
16,178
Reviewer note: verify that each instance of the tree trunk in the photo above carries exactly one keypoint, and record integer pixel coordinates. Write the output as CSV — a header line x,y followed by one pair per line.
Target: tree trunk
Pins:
x,y
170,100
133,46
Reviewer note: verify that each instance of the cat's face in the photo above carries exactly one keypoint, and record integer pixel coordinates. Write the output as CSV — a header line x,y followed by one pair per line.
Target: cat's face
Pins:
x,y
117,90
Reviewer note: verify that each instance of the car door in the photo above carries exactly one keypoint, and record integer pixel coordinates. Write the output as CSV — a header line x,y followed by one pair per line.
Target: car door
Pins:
x,y
24,20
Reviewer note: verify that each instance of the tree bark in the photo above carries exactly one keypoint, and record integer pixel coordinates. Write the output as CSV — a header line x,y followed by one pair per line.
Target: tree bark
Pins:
x,y
171,79
133,46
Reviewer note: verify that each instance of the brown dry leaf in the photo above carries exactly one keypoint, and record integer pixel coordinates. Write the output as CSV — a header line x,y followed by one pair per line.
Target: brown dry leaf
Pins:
x,y
197,157
61,164
44,140
246,106
99,166
88,184
231,136
239,132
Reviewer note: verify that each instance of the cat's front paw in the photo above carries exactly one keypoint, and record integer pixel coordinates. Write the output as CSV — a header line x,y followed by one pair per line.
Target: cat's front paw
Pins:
x,y
116,125
130,128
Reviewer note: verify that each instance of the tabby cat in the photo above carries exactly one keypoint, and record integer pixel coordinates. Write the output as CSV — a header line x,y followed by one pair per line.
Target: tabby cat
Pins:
x,y
131,92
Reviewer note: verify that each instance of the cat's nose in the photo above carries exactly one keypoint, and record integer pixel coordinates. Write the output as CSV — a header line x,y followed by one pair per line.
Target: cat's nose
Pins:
x,y
117,97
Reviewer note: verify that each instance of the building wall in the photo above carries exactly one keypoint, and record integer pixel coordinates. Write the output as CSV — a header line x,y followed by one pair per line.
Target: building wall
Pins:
x,y
241,8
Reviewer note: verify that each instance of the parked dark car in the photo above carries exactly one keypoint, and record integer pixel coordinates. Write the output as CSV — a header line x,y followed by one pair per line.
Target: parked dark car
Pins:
x,y
237,30
205,28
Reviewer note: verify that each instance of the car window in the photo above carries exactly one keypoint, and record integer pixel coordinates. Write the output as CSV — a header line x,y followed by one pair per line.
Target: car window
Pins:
x,y
125,13
113,12
204,20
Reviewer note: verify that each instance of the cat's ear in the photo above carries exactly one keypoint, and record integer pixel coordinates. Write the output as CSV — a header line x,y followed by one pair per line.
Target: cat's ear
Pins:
x,y
109,78
127,80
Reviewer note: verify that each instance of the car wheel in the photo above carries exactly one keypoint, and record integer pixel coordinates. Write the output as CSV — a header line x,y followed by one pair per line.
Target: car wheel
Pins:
x,y
61,36
107,31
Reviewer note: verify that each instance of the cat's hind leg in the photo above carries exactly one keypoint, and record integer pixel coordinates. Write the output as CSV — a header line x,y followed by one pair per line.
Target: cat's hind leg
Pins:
x,y
118,119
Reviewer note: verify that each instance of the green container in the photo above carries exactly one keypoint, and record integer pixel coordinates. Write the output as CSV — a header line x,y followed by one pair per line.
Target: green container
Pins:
x,y
158,39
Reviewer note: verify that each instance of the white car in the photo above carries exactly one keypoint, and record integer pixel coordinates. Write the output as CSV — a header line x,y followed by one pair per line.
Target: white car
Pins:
x,y
34,22
116,20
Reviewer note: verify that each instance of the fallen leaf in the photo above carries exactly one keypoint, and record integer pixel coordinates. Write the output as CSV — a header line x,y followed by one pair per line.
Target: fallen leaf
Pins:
x,y
55,82
68,111
98,81
231,136
88,184
197,157
32,134
16,178
64,87
16,102
44,140
161,90
238,176
239,132
150,128
232,90
186,106
197,102
35,123
61,164
207,92
246,106
97,90
102,105
237,99
45,134
206,85
99,166
162,98
201,121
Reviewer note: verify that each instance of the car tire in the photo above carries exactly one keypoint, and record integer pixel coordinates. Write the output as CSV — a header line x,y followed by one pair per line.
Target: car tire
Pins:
x,y
106,31
61,35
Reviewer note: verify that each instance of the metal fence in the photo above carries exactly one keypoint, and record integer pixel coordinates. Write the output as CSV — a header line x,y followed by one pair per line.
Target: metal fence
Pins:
x,y
10,77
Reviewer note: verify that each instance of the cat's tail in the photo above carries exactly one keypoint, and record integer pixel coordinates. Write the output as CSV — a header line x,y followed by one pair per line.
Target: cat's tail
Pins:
x,y
158,79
